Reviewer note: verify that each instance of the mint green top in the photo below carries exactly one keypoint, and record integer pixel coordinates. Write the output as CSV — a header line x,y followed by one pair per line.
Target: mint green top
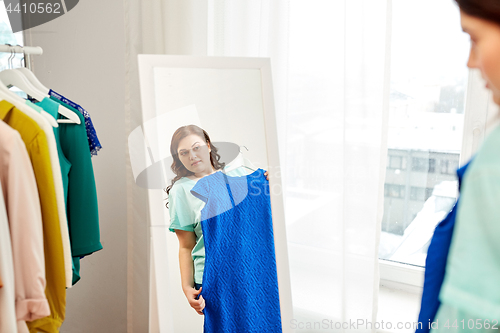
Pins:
x,y
471,286
185,212
34,106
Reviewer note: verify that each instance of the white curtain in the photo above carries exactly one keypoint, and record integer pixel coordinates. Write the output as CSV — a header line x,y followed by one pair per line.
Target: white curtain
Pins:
x,y
330,64
330,61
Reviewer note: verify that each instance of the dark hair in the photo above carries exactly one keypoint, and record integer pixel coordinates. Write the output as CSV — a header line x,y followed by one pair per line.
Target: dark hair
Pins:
x,y
485,9
177,167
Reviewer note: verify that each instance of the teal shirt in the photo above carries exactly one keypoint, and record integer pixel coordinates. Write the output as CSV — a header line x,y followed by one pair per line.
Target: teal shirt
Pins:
x,y
471,285
185,212
82,206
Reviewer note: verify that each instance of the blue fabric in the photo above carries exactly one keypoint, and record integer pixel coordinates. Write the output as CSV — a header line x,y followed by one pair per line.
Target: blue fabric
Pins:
x,y
94,143
197,286
435,264
240,282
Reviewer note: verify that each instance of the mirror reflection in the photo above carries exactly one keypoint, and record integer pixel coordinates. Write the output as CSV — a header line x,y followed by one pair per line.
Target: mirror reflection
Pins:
x,y
222,217
209,144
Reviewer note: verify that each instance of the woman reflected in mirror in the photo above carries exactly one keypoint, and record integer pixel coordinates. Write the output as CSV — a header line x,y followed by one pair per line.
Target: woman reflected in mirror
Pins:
x,y
194,157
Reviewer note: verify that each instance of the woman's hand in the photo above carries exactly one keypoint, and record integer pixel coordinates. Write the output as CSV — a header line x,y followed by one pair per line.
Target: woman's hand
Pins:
x,y
266,174
197,304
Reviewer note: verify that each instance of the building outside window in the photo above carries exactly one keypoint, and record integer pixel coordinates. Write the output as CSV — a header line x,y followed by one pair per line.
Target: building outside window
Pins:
x,y
426,124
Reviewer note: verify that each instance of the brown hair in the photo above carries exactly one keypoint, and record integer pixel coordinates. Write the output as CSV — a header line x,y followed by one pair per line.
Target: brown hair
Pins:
x,y
485,9
177,167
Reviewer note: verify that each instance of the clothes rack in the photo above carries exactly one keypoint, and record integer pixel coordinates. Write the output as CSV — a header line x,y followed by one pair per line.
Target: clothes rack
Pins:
x,y
26,50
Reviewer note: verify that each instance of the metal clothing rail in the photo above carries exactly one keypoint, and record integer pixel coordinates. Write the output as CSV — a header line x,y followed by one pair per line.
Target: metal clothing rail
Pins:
x,y
26,50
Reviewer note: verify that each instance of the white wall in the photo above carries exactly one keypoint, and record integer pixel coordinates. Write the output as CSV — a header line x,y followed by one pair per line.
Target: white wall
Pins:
x,y
84,59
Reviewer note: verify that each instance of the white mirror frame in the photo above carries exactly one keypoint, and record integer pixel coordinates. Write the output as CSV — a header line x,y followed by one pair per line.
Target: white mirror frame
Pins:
x,y
160,307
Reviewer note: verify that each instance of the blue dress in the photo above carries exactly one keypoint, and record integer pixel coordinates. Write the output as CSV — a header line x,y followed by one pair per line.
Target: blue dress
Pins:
x,y
240,284
435,265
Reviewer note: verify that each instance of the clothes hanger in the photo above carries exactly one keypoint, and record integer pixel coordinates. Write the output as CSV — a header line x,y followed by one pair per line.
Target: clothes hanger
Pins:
x,y
246,163
11,77
18,79
62,109
20,103
33,79
241,161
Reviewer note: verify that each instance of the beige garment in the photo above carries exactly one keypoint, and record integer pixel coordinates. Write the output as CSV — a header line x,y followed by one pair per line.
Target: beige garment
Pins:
x,y
37,145
25,222
7,293
22,327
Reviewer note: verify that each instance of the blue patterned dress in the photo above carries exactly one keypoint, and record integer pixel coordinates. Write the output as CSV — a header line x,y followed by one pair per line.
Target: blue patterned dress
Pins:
x,y
240,284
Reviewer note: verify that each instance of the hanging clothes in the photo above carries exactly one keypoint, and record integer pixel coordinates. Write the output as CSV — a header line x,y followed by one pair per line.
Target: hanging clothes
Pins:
x,y
8,321
92,138
36,140
52,108
83,215
240,284
25,224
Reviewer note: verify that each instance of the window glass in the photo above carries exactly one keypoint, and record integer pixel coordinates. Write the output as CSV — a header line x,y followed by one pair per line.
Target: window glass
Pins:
x,y
7,37
428,86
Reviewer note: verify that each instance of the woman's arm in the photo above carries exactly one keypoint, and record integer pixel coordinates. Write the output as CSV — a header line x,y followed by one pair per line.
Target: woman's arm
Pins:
x,y
187,241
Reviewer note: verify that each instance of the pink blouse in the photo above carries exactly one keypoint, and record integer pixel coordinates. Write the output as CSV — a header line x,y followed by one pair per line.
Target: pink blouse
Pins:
x,y
25,221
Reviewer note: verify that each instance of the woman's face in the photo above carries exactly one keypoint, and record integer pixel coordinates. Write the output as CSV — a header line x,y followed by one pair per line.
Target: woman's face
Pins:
x,y
485,50
194,153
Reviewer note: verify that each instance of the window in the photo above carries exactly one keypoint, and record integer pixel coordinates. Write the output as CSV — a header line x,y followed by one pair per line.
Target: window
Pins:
x,y
432,165
449,167
426,121
7,37
419,164
395,162
424,164
428,193
420,194
394,191
417,193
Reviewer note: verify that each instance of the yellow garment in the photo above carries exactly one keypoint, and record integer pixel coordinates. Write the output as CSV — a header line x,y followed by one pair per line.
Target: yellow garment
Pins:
x,y
36,143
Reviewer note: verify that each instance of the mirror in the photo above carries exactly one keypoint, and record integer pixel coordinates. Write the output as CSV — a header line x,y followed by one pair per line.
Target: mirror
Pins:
x,y
242,284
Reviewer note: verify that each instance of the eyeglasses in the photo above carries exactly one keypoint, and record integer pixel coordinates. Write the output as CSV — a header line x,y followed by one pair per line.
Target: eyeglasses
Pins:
x,y
198,149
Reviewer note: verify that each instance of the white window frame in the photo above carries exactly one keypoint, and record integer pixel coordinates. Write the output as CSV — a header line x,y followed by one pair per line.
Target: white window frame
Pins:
x,y
481,115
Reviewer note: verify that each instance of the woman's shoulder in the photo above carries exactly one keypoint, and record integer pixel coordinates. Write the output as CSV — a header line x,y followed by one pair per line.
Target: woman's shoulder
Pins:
x,y
181,197
487,159
182,186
